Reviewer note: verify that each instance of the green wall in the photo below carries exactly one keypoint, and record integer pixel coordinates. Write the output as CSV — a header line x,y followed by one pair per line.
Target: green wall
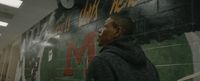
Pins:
x,y
173,58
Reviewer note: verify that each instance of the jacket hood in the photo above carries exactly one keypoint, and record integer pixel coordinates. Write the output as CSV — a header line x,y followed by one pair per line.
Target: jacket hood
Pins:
x,y
127,48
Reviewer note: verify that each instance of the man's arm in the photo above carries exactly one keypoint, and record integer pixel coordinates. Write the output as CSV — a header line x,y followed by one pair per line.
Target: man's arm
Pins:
x,y
99,70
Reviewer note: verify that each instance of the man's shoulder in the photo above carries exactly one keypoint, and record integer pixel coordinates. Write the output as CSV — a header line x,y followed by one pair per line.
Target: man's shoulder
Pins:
x,y
106,55
109,57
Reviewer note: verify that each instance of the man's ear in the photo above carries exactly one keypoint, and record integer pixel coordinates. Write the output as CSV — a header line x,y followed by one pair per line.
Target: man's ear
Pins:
x,y
118,31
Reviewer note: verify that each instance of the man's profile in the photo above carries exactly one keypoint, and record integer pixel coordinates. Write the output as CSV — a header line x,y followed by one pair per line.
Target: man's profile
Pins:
x,y
121,58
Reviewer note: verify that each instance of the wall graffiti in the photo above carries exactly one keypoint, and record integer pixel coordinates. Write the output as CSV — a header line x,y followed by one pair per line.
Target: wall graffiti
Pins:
x,y
43,59
65,26
89,13
118,5
72,49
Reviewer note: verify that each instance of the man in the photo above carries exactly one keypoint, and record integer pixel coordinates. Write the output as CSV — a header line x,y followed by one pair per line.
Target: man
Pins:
x,y
120,59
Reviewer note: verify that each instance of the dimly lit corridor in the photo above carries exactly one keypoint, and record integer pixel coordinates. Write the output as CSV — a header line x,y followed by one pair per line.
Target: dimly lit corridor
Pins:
x,y
56,40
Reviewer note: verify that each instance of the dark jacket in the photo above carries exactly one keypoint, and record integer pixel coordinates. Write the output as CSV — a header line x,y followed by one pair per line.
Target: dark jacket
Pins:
x,y
122,60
